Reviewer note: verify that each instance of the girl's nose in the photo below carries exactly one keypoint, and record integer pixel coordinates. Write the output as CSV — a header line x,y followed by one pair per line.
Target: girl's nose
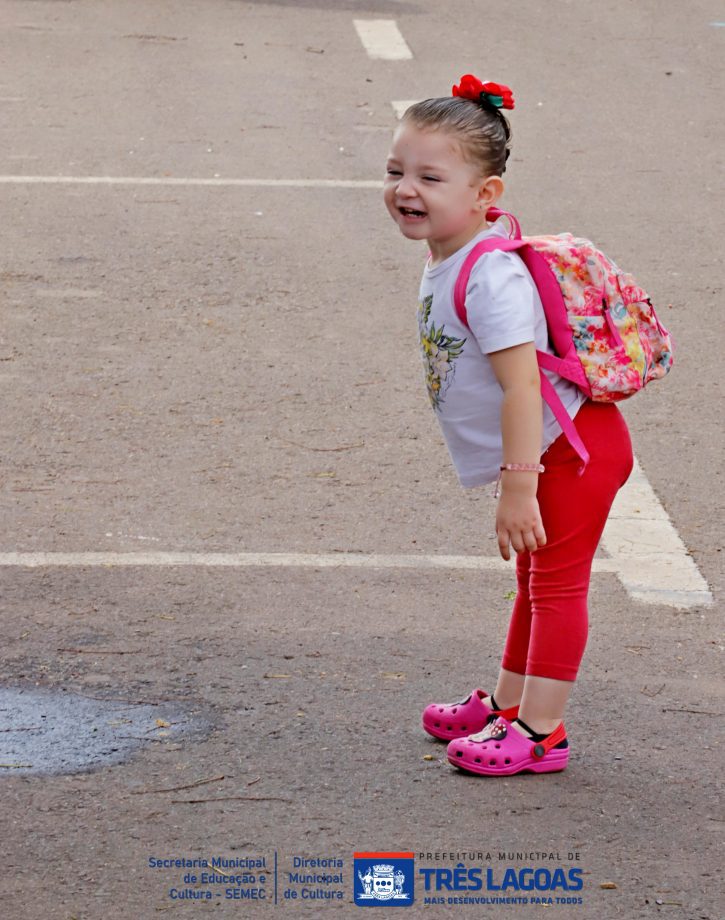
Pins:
x,y
406,187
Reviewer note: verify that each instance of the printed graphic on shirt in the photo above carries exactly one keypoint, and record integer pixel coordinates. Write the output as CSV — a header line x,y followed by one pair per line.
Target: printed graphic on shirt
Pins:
x,y
439,351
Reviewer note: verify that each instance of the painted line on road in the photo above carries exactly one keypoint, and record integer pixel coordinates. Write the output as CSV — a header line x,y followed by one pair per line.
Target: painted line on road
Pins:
x,y
164,180
382,39
628,571
648,555
643,548
316,560
644,551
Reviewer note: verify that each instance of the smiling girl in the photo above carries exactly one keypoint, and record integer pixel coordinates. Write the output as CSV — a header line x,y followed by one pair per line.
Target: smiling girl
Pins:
x,y
443,179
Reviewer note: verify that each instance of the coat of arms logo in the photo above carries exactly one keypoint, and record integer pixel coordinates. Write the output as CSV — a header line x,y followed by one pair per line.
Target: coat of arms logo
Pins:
x,y
384,882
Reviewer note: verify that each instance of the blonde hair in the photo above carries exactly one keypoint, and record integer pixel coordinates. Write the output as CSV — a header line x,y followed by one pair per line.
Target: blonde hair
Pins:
x,y
483,131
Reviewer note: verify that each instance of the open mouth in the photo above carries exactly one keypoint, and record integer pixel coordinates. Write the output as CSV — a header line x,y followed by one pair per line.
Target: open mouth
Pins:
x,y
411,212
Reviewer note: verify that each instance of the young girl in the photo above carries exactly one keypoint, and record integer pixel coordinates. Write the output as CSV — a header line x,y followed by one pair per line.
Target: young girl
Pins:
x,y
443,175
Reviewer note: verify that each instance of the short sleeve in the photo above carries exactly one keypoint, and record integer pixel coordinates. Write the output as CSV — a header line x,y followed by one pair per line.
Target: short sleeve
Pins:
x,y
500,302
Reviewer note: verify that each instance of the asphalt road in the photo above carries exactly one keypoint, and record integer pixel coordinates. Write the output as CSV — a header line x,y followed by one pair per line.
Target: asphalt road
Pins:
x,y
234,369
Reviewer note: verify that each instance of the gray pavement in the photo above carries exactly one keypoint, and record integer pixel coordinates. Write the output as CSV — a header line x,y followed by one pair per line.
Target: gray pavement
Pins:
x,y
235,369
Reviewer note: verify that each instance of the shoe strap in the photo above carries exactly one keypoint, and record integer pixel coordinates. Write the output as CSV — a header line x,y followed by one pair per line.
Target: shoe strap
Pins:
x,y
509,713
543,747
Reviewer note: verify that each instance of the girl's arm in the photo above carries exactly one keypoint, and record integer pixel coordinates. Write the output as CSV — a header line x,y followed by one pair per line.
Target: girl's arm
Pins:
x,y
518,519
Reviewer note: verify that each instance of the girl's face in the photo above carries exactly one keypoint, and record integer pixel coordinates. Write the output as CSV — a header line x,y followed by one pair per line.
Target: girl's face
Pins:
x,y
433,193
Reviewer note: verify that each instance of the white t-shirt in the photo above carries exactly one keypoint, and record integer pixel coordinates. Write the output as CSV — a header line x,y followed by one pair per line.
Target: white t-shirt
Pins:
x,y
503,309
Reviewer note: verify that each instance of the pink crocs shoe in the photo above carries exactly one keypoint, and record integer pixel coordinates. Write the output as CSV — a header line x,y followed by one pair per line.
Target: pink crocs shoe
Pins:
x,y
500,750
456,720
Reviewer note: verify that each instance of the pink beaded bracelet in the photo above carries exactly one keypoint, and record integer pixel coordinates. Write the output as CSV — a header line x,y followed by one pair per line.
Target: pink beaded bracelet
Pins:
x,y
518,467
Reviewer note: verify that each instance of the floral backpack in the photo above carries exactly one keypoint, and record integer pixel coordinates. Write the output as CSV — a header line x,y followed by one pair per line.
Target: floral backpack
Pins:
x,y
602,325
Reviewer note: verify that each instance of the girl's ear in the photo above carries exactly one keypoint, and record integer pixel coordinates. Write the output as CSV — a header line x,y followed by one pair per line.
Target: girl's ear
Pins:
x,y
489,191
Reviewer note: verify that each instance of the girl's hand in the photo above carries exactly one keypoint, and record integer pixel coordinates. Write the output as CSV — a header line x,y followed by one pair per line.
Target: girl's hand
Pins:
x,y
518,521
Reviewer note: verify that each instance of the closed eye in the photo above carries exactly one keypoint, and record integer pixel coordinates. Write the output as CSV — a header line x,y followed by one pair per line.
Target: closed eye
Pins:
x,y
393,172
431,179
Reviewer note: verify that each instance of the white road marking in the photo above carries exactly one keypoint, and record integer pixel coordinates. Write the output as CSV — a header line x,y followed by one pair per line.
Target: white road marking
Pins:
x,y
653,578
316,560
649,557
165,180
305,560
644,552
400,105
382,39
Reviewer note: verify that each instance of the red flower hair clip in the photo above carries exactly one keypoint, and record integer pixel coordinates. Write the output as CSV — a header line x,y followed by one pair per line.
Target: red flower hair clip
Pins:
x,y
495,94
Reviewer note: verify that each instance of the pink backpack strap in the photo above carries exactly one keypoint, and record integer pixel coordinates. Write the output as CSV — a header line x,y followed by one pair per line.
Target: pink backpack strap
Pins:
x,y
555,311
489,245
564,419
495,213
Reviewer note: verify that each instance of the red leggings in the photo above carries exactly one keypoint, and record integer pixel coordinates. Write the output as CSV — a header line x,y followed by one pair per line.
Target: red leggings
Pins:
x,y
549,623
